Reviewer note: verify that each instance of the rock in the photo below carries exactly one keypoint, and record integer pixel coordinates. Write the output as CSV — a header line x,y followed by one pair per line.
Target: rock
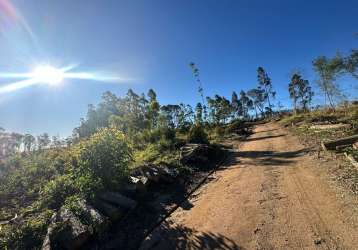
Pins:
x,y
98,222
318,241
355,145
65,230
149,171
168,174
46,245
139,183
118,199
113,212
194,153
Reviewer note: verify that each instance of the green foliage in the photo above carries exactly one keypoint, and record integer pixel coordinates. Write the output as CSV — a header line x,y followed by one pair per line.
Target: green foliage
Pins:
x,y
328,70
299,89
266,85
153,136
197,134
56,191
102,161
220,109
26,235
235,125
351,63
292,119
258,97
160,152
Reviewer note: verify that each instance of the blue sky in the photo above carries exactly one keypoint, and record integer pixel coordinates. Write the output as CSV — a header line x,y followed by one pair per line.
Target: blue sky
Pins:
x,y
152,42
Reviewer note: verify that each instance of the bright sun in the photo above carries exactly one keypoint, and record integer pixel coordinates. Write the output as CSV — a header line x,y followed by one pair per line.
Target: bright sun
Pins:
x,y
48,74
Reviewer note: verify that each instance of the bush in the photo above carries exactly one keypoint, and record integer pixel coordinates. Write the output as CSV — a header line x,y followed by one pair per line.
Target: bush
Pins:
x,y
26,235
156,153
235,126
56,191
197,134
102,161
153,136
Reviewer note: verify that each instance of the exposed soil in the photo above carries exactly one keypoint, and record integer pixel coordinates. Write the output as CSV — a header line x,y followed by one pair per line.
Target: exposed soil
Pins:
x,y
274,195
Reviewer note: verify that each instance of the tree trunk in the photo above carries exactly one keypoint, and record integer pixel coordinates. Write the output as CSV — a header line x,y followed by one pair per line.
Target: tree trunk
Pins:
x,y
330,101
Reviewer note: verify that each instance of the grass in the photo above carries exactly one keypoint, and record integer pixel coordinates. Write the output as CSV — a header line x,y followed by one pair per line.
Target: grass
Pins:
x,y
302,123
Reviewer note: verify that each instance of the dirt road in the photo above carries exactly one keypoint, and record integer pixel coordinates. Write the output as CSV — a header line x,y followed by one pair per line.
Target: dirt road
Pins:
x,y
271,196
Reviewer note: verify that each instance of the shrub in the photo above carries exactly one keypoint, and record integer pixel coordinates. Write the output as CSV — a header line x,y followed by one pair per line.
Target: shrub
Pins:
x,y
197,134
102,161
234,126
219,131
26,235
56,191
153,136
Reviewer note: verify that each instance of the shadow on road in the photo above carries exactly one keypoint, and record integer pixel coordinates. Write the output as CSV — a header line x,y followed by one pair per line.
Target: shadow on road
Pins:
x,y
264,158
169,236
264,137
264,131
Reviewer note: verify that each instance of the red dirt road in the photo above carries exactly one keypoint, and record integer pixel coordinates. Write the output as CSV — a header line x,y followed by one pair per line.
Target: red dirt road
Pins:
x,y
271,196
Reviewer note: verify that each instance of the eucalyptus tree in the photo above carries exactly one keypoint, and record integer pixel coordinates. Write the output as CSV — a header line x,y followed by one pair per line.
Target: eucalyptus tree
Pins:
x,y
196,73
198,113
246,104
300,90
236,105
29,142
351,63
220,109
43,141
258,98
266,84
171,113
185,116
328,71
153,108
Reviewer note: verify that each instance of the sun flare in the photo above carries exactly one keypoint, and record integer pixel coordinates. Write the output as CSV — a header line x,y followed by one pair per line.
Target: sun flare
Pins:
x,y
53,76
48,74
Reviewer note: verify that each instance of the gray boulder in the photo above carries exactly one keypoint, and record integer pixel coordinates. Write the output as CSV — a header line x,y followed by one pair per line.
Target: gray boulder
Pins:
x,y
139,183
65,231
194,153
113,212
98,222
118,199
149,171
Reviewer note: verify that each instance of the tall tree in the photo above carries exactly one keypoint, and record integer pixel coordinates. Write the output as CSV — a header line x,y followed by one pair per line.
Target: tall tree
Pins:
x,y
258,98
328,70
185,116
266,84
153,108
301,91
29,142
220,109
236,105
43,141
246,104
196,74
199,113
351,63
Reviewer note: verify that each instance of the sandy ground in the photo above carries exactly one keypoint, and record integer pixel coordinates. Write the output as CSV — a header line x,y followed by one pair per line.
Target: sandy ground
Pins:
x,y
271,196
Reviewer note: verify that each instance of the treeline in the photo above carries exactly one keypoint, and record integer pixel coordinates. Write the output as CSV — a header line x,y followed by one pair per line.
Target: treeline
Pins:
x,y
135,113
11,143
